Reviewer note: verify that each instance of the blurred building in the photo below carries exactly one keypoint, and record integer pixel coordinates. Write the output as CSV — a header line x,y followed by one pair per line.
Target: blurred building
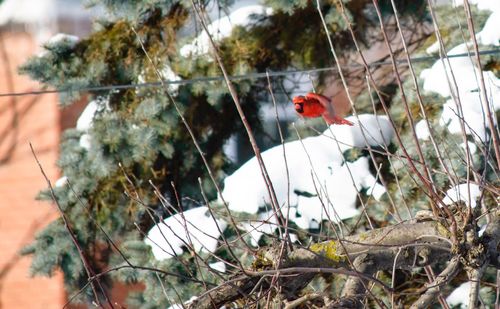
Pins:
x,y
24,119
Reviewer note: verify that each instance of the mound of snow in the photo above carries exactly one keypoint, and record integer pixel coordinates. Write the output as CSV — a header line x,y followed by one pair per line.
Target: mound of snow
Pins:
x,y
311,162
338,194
473,114
466,74
194,228
437,79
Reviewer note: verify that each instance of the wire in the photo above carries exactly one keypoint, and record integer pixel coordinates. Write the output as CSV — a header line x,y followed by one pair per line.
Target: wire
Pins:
x,y
235,77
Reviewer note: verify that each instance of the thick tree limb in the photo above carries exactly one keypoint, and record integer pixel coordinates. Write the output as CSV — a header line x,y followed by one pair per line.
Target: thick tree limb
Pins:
x,y
420,244
415,245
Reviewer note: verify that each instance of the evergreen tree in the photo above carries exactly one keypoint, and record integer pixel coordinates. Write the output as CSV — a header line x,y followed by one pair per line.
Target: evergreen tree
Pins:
x,y
135,163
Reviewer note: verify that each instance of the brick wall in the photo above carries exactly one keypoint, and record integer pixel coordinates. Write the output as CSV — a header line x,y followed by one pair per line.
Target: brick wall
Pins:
x,y
24,119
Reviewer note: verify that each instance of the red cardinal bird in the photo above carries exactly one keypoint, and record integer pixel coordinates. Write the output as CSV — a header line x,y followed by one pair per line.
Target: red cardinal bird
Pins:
x,y
315,105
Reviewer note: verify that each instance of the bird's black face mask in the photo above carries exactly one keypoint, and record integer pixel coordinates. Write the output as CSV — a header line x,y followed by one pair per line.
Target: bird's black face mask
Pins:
x,y
299,107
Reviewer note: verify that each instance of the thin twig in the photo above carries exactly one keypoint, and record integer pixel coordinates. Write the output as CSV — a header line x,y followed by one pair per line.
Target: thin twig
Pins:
x,y
86,264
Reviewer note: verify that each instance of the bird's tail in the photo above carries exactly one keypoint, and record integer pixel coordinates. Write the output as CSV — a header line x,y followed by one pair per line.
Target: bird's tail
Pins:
x,y
337,120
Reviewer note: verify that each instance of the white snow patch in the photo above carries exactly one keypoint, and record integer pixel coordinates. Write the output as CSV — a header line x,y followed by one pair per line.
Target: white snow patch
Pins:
x,y
71,40
230,148
467,79
422,130
183,306
266,226
338,194
481,230
85,141
490,34
222,28
61,182
459,296
84,122
317,166
434,48
218,266
257,229
473,114
461,193
168,76
436,78
168,237
63,37
472,147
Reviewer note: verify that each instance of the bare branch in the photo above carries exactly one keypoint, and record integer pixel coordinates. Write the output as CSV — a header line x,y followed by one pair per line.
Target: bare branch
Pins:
x,y
86,264
430,295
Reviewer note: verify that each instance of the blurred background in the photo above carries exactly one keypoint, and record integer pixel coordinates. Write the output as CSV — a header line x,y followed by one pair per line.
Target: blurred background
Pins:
x,y
24,26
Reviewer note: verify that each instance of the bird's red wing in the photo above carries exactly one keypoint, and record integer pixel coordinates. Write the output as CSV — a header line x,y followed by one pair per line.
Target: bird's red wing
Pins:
x,y
326,102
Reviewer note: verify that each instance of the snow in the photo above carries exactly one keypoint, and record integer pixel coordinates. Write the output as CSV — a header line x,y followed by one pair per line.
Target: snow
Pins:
x,y
433,48
222,28
466,77
436,78
338,193
459,296
475,117
481,230
472,147
183,306
422,130
168,237
85,141
256,229
69,40
461,193
490,34
84,122
61,182
245,190
168,76
218,266
60,37
266,226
